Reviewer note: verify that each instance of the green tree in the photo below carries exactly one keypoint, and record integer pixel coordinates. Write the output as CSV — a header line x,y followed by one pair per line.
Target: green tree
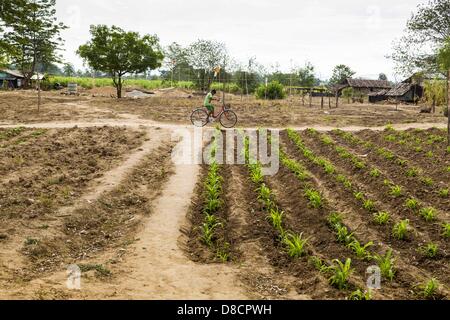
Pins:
x,y
428,28
68,70
306,75
348,93
341,73
32,34
444,57
176,66
383,77
203,56
118,53
273,91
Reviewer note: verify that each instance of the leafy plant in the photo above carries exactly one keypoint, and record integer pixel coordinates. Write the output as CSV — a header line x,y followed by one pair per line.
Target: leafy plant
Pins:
x,y
386,264
430,289
375,173
343,235
429,214
369,205
341,273
430,250
400,229
412,204
382,218
318,264
359,295
295,244
361,250
335,219
359,196
446,230
276,219
412,172
396,191
427,181
314,197
443,193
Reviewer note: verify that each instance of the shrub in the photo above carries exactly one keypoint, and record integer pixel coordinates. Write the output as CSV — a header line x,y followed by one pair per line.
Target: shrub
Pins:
x,y
274,91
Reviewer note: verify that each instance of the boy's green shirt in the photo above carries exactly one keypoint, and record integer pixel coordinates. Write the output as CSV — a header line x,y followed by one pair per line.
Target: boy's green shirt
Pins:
x,y
208,100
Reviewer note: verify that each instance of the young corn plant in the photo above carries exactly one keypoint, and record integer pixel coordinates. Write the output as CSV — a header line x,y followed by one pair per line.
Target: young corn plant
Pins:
x,y
430,251
443,193
446,230
412,172
429,214
361,250
400,230
208,233
382,218
375,173
396,191
343,235
386,264
412,204
315,198
295,244
360,295
430,289
276,219
335,220
369,205
341,272
318,264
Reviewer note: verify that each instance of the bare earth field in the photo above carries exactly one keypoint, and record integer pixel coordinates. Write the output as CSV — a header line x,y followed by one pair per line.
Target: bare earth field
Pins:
x,y
90,180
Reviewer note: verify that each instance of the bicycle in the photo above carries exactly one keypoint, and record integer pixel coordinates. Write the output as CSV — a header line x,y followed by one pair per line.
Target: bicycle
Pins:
x,y
226,116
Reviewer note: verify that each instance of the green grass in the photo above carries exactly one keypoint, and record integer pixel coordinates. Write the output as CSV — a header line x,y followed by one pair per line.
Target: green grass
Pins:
x,y
89,83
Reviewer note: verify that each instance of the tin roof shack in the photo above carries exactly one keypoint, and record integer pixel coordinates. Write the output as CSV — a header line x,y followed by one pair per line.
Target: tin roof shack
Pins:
x,y
11,79
406,92
365,87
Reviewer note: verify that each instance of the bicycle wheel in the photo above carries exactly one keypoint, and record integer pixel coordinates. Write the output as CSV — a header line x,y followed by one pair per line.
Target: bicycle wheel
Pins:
x,y
228,119
199,118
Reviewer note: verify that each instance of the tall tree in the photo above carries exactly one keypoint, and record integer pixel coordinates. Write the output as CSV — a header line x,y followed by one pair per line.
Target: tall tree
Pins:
x,y
69,70
306,75
341,73
204,56
32,34
118,53
382,76
426,31
176,66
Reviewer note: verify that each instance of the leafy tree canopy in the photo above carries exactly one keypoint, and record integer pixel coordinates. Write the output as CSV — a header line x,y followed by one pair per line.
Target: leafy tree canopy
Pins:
x,y
341,73
117,53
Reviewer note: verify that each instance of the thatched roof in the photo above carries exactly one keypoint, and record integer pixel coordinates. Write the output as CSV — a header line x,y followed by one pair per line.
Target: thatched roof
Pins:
x,y
379,93
14,73
362,83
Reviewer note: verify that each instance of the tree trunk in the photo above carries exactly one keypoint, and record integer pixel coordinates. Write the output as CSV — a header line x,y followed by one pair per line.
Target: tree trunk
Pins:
x,y
119,88
337,99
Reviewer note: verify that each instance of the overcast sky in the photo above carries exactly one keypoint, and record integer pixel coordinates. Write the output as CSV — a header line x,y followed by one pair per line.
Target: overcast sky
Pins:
x,y
288,32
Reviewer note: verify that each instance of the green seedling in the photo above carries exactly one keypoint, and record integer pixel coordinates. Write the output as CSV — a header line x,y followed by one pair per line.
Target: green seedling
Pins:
x,y
386,264
431,250
382,218
396,191
359,295
400,230
412,204
296,245
341,273
360,250
429,214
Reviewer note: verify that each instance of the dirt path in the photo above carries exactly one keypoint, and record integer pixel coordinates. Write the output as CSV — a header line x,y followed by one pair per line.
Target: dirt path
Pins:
x,y
133,122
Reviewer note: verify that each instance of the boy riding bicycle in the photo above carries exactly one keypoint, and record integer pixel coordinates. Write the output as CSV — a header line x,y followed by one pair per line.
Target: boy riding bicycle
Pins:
x,y
208,105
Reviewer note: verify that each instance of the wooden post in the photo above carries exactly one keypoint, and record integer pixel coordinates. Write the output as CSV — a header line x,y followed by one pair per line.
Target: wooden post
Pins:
x,y
337,99
329,101
39,92
321,102
310,98
448,107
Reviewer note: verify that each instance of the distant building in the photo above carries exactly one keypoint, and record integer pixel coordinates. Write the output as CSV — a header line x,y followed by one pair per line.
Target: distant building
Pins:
x,y
365,87
11,79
